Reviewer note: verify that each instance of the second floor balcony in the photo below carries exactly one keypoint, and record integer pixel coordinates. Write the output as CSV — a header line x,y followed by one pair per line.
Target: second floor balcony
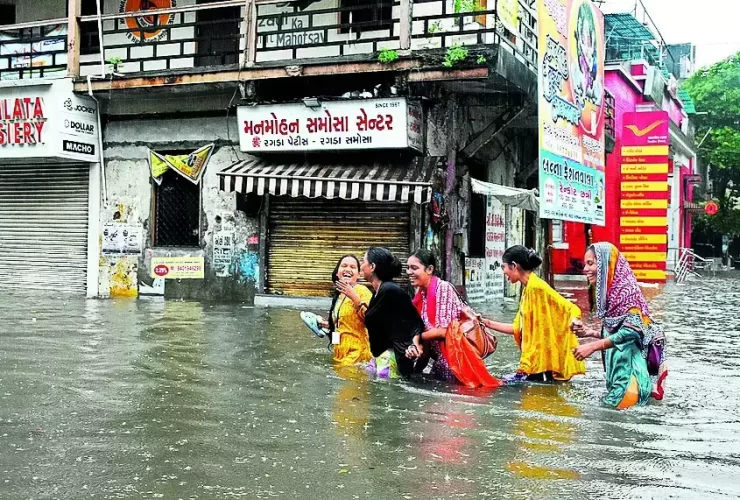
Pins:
x,y
238,38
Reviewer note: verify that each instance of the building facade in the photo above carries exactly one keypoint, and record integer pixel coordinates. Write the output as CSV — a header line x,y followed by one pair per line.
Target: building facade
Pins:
x,y
638,83
194,191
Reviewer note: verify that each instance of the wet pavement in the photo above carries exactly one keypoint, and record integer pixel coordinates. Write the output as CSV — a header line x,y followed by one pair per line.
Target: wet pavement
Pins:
x,y
154,399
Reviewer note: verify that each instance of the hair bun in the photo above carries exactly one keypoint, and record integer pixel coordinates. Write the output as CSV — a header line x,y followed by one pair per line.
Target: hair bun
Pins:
x,y
533,259
396,267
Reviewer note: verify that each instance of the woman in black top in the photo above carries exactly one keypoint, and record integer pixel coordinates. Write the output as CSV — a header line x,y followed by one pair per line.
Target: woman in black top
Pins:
x,y
392,321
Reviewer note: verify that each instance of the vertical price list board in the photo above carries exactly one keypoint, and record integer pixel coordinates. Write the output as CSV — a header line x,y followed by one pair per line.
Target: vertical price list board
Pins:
x,y
643,207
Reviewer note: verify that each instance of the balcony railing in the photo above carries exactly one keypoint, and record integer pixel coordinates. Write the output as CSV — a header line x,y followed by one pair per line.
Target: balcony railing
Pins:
x,y
33,50
244,33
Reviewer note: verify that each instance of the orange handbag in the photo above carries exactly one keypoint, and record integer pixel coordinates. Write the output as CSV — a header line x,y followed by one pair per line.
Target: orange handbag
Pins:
x,y
476,333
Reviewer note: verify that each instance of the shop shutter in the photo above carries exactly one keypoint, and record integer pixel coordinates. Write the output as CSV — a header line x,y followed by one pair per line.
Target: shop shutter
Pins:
x,y
43,227
308,236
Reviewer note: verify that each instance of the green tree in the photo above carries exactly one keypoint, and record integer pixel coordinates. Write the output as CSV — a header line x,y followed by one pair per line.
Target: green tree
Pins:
x,y
716,93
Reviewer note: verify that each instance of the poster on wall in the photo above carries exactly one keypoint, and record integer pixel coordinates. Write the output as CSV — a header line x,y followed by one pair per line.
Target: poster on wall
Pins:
x,y
122,239
223,251
571,110
475,280
495,247
643,217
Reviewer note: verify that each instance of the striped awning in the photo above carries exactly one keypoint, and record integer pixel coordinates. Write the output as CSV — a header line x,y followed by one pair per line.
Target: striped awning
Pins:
x,y
403,183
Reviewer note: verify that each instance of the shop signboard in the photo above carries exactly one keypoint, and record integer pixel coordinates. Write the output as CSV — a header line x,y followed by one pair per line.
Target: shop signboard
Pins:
x,y
332,125
644,200
495,247
48,121
571,110
178,267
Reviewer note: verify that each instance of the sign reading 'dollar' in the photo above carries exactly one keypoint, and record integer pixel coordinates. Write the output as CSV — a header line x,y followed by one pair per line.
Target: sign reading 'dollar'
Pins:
x,y
47,121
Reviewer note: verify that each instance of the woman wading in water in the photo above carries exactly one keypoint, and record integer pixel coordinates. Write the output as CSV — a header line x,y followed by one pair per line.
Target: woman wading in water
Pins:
x,y
542,327
631,341
392,321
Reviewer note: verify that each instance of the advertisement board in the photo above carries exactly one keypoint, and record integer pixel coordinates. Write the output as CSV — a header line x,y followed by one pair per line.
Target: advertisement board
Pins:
x,y
178,267
571,110
331,125
48,121
643,207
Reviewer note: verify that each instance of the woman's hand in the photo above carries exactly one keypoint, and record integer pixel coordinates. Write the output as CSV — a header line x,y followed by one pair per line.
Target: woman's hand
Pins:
x,y
348,290
585,350
414,351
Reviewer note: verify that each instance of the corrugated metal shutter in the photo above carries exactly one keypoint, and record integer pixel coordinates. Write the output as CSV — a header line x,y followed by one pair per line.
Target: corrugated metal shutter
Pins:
x,y
307,237
43,227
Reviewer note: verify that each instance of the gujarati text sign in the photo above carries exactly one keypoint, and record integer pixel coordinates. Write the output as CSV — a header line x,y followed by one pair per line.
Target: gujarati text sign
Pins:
x,y
571,110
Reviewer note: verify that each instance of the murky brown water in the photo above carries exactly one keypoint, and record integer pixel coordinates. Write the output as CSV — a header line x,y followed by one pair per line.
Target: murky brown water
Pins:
x,y
151,399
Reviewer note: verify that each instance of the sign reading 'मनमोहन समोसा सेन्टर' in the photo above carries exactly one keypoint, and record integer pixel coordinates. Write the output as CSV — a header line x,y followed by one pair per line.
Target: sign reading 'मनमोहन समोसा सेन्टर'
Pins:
x,y
571,110
643,207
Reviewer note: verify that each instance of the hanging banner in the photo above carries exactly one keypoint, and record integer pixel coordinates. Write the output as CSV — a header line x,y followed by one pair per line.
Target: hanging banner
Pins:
x,y
193,165
643,207
508,14
571,110
189,166
158,166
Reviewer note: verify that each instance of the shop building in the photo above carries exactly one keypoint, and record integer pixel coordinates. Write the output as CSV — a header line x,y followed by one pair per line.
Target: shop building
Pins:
x,y
638,82
183,206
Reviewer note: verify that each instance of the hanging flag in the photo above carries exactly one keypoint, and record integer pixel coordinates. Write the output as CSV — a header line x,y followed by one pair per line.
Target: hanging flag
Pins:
x,y
158,166
193,165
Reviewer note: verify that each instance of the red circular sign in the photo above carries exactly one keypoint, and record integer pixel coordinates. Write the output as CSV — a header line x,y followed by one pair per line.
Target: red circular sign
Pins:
x,y
161,270
711,208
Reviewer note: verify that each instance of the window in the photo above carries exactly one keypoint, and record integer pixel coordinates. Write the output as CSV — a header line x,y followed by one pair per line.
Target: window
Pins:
x,y
89,39
557,231
176,212
366,15
217,33
7,14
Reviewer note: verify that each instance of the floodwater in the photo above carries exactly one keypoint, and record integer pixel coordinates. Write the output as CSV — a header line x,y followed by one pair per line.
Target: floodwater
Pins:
x,y
154,399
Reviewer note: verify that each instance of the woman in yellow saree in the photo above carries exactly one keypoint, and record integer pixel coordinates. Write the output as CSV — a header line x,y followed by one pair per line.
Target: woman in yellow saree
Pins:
x,y
542,327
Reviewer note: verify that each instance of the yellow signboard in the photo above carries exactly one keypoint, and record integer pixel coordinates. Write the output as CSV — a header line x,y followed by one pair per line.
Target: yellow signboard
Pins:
x,y
178,267
643,239
644,168
645,186
649,274
643,203
643,221
645,256
645,150
508,14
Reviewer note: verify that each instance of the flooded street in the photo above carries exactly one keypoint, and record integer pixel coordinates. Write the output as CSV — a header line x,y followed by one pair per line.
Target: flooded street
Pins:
x,y
154,399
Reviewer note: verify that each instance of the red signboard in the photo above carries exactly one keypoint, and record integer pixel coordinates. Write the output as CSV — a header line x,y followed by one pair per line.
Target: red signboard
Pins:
x,y
645,193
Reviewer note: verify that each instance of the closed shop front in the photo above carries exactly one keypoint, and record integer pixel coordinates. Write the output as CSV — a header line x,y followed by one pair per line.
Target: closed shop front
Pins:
x,y
44,212
349,176
308,236
49,189
319,212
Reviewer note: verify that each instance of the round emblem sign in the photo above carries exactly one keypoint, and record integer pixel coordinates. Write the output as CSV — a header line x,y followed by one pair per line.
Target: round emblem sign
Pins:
x,y
711,208
161,270
149,28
